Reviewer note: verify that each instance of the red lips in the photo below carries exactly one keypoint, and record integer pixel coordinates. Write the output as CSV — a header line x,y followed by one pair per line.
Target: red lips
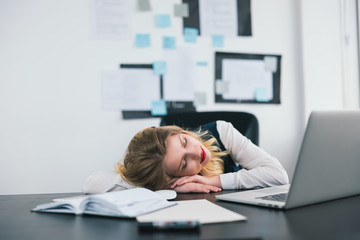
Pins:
x,y
203,155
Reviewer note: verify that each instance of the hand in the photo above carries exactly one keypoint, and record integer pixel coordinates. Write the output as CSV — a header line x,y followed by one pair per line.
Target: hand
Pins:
x,y
196,188
214,181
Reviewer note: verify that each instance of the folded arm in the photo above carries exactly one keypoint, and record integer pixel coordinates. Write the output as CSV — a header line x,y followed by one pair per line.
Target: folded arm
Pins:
x,y
260,169
101,182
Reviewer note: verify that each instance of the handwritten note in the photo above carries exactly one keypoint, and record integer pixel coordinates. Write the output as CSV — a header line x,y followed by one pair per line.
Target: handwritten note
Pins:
x,y
129,89
110,20
218,17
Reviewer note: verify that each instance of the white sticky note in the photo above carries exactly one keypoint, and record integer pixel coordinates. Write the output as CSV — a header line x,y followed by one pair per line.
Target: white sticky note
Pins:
x,y
144,5
199,98
270,63
181,10
221,87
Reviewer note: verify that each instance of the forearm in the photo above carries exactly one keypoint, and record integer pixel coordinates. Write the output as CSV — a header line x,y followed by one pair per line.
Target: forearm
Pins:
x,y
214,181
265,176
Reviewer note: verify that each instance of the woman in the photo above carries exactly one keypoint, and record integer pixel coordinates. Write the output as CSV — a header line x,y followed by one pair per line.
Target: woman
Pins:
x,y
214,158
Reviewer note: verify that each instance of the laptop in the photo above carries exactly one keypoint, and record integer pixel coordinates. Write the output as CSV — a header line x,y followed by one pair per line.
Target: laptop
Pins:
x,y
328,165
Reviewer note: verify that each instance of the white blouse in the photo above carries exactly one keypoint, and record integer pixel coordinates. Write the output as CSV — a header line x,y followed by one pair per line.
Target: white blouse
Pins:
x,y
260,169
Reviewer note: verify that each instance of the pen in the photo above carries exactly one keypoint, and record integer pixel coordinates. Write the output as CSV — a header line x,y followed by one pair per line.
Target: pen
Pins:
x,y
169,225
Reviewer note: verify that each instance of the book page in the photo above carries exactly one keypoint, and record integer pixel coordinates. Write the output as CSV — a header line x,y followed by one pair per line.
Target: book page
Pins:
x,y
201,210
126,203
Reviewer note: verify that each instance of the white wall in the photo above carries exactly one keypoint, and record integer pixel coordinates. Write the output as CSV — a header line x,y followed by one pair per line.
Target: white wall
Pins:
x,y
322,55
53,131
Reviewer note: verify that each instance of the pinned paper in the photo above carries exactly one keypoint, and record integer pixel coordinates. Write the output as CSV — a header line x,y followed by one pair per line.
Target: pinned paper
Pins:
x,y
158,108
144,5
221,87
261,95
199,98
217,40
181,10
162,20
110,20
190,34
142,40
160,68
270,63
169,42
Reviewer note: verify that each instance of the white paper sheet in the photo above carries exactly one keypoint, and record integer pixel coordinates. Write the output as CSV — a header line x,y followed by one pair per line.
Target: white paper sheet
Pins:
x,y
218,17
110,19
130,89
245,77
200,210
181,78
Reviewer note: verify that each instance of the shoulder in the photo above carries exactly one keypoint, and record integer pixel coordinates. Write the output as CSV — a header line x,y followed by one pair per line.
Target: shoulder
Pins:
x,y
224,127
230,136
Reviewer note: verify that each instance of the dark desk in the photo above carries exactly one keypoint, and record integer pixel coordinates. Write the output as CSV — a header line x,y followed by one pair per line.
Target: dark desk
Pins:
x,y
338,219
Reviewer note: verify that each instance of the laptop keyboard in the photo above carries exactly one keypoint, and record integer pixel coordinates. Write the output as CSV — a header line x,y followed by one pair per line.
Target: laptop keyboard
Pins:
x,y
281,197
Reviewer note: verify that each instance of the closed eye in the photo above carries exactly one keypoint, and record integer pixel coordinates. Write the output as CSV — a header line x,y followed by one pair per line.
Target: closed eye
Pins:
x,y
185,164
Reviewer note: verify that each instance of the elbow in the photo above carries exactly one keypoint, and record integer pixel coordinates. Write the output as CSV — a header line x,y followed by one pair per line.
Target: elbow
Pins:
x,y
283,177
86,187
93,185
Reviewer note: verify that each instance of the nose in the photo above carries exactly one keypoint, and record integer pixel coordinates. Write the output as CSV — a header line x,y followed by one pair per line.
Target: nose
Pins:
x,y
194,154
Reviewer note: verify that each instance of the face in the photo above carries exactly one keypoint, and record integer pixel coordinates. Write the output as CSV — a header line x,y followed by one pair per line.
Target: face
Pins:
x,y
185,155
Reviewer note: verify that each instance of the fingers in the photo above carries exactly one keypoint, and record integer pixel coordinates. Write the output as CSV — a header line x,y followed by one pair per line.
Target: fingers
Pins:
x,y
213,188
207,188
196,188
181,181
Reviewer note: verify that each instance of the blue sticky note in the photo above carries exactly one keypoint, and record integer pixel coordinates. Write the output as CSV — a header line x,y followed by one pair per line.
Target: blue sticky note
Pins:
x,y
142,40
202,64
162,20
159,67
158,108
190,35
169,42
261,95
217,40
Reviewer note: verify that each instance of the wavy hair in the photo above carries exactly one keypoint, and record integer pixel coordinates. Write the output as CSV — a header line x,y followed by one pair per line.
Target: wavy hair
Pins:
x,y
143,164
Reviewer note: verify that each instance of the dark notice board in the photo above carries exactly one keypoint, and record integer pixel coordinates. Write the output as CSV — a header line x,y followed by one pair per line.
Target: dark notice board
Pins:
x,y
243,16
172,106
220,56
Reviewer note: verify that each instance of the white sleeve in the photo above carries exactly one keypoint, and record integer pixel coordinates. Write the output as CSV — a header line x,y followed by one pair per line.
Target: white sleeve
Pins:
x,y
101,182
260,169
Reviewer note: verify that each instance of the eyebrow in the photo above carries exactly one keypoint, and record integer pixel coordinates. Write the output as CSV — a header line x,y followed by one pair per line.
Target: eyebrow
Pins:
x,y
179,168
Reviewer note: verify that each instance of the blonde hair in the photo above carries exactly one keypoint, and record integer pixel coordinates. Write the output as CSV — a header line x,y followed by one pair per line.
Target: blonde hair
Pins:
x,y
144,157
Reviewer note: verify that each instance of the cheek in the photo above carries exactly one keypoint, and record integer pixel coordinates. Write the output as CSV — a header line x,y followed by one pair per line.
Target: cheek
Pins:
x,y
195,169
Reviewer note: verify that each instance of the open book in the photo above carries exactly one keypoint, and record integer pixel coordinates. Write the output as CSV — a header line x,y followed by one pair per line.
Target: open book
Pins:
x,y
126,203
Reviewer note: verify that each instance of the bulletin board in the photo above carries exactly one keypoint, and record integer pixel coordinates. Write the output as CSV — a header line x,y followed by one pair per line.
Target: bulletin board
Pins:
x,y
156,91
173,38
247,78
240,14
